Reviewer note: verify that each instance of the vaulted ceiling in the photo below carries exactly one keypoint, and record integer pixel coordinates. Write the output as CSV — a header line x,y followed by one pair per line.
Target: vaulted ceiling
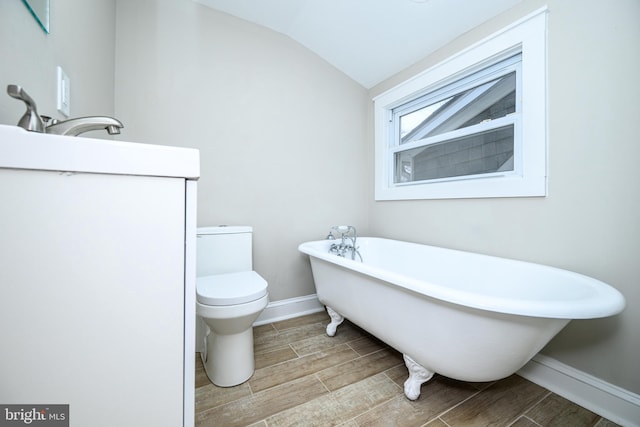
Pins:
x,y
369,40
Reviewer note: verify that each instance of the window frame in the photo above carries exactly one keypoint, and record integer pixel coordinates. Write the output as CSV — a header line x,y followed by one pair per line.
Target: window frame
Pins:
x,y
526,37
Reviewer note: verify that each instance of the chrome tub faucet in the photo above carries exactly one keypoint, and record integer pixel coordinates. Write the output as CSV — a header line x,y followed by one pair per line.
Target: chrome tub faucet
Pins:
x,y
348,241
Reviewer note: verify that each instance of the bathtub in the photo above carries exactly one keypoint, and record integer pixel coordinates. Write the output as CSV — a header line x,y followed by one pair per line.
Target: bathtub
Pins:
x,y
463,315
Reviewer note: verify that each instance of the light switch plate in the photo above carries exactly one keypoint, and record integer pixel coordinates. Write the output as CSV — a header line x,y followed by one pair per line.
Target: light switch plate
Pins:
x,y
64,93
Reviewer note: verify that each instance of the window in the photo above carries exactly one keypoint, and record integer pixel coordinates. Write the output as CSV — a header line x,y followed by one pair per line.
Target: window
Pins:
x,y
464,129
472,126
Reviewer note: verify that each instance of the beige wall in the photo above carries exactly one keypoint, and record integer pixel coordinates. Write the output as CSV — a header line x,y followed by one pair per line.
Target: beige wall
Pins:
x,y
589,221
281,133
81,41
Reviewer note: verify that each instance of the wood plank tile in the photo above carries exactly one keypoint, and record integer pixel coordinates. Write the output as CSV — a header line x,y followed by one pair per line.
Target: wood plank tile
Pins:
x,y
296,368
264,359
279,340
366,388
436,423
366,394
367,344
395,412
260,406
555,410
321,317
346,334
201,379
437,396
524,422
263,334
320,412
340,406
266,329
210,396
606,423
497,405
398,374
358,369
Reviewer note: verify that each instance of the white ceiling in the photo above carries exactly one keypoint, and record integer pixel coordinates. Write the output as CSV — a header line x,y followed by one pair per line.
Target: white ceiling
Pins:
x,y
369,40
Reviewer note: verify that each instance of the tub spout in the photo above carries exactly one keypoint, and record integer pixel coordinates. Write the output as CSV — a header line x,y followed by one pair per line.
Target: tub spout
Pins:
x,y
74,127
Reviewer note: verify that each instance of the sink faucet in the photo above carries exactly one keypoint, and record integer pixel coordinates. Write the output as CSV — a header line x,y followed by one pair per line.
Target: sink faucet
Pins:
x,y
74,127
33,122
348,241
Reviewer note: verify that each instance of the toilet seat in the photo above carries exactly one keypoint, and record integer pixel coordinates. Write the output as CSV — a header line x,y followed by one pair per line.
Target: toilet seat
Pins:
x,y
230,288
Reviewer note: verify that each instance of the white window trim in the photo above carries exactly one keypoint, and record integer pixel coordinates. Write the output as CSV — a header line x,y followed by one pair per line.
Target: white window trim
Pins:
x,y
528,36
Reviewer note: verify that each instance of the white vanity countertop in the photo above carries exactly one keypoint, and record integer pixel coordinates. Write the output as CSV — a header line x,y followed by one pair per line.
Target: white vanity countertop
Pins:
x,y
20,149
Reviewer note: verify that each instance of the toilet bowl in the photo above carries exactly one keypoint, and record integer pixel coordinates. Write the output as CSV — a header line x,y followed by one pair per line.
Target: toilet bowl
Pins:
x,y
229,298
229,310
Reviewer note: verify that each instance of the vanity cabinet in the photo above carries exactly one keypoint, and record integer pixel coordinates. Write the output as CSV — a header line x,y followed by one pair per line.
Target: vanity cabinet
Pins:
x,y
97,278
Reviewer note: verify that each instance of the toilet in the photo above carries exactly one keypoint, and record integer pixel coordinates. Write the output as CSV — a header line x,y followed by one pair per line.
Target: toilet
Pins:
x,y
229,298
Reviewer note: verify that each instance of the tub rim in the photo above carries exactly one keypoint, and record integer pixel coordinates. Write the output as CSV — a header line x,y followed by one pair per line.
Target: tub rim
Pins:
x,y
604,301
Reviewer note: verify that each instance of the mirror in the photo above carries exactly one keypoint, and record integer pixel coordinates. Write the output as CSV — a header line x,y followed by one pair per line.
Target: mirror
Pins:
x,y
40,10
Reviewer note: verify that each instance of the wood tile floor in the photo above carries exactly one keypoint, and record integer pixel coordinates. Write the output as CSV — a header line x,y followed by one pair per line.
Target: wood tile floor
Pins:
x,y
305,378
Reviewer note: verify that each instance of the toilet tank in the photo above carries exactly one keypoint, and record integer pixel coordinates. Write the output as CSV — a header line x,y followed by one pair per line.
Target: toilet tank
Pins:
x,y
223,249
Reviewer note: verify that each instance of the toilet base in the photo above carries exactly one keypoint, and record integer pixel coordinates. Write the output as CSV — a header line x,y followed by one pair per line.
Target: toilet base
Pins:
x,y
229,358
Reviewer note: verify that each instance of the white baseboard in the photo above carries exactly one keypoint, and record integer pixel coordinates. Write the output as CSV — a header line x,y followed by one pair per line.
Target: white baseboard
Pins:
x,y
289,308
605,399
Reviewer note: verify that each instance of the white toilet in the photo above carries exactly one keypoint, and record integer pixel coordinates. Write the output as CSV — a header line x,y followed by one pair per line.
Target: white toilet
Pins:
x,y
230,297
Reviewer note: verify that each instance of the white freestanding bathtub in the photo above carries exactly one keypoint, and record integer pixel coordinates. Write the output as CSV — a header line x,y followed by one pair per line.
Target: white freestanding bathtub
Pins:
x,y
466,316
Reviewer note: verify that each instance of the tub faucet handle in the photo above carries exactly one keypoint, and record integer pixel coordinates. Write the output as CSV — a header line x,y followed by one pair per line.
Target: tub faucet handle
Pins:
x,y
343,229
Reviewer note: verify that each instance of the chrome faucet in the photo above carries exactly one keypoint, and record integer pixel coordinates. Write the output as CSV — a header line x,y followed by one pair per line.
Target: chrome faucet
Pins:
x,y
74,127
33,122
348,241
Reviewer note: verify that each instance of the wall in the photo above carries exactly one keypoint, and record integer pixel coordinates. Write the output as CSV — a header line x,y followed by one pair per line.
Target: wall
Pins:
x,y
589,221
81,40
281,133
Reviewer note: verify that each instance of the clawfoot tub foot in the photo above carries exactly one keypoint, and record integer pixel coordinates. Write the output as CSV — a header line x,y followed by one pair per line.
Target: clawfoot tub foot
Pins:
x,y
417,376
336,320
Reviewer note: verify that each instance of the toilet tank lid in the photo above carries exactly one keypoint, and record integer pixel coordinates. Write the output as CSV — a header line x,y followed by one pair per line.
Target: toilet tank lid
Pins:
x,y
225,229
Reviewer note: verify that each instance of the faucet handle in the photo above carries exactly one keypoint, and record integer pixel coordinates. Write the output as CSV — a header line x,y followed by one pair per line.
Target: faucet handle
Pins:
x,y
30,120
